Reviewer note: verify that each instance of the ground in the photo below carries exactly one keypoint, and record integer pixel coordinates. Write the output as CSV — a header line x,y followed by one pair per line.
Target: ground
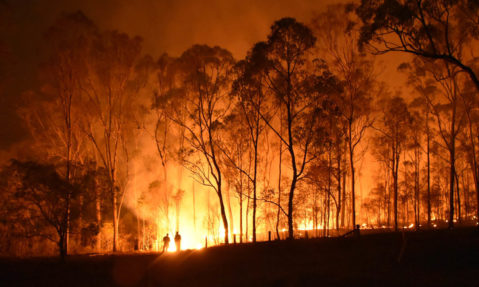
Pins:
x,y
428,258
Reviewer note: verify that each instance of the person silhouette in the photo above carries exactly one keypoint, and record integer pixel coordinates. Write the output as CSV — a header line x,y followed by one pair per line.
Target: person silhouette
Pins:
x,y
166,242
178,241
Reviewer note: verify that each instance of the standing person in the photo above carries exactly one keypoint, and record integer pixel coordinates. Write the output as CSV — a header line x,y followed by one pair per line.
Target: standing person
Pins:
x,y
178,241
166,242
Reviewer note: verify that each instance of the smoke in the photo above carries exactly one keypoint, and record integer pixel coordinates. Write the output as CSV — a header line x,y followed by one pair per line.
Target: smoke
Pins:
x,y
166,26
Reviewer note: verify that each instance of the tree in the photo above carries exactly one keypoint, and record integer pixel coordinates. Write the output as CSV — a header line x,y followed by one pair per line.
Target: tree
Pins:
x,y
109,104
414,144
431,29
237,148
425,88
206,80
247,87
337,37
296,85
450,119
52,115
166,97
391,140
42,200
447,108
470,104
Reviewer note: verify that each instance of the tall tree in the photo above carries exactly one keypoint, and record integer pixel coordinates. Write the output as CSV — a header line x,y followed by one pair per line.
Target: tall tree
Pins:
x,y
391,140
248,89
236,147
297,86
52,116
109,99
337,37
425,88
470,103
206,79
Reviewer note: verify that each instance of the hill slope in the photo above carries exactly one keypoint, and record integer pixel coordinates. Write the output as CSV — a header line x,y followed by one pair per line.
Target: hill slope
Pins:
x,y
429,258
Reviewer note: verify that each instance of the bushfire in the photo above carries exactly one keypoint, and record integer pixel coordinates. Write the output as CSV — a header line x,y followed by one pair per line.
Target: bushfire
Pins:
x,y
304,134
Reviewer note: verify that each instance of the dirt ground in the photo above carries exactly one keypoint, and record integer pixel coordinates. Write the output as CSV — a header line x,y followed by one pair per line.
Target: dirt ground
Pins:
x,y
421,258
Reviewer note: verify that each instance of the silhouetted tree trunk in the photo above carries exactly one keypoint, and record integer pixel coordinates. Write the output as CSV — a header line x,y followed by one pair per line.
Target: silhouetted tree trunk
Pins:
x,y
428,154
280,161
338,176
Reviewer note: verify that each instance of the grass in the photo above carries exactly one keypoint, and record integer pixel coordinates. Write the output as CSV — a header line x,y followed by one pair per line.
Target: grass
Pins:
x,y
430,258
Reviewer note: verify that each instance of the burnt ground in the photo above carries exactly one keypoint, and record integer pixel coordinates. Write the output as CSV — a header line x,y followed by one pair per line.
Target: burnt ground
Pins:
x,y
430,258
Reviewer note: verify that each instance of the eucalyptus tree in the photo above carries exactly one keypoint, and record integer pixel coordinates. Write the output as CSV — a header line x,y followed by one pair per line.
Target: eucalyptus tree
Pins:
x,y
296,84
393,128
250,101
206,79
448,109
236,147
53,113
470,141
338,35
109,108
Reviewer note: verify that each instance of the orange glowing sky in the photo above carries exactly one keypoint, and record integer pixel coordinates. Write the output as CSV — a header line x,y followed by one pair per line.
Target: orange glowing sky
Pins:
x,y
166,26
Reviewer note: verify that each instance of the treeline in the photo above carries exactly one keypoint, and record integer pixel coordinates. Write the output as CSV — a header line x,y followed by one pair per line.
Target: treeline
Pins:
x,y
281,133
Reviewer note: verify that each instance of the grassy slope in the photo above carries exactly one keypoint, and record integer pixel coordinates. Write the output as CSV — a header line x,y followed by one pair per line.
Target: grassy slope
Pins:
x,y
431,258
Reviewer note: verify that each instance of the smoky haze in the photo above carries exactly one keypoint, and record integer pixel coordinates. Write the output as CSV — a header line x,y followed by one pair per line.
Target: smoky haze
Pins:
x,y
165,26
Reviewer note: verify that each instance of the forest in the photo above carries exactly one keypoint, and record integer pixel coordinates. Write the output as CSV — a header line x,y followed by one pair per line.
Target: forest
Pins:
x,y
300,138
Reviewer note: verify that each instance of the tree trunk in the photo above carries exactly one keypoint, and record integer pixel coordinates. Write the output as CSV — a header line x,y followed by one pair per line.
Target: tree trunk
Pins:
x,y
241,214
279,178
290,208
451,187
255,168
98,217
428,173
396,156
351,165
230,212
458,200
474,167
343,203
477,197
115,219
62,245
223,214
338,206
452,159
417,187
328,201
